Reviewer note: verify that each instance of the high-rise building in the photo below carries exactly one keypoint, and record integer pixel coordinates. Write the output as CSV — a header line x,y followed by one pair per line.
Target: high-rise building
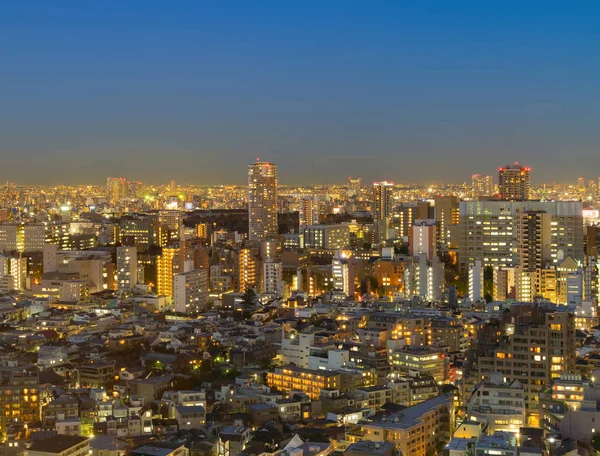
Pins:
x,y
476,281
382,197
127,268
326,236
382,210
481,186
20,398
142,230
504,283
9,237
488,231
28,237
117,188
190,290
423,238
262,201
354,185
424,279
534,239
541,348
171,218
340,274
308,213
514,183
165,268
246,269
273,278
405,214
446,215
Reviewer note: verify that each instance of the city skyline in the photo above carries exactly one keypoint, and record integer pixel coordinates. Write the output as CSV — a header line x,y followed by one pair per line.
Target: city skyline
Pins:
x,y
399,92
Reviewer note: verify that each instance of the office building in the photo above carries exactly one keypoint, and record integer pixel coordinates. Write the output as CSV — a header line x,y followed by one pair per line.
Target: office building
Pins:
x,y
417,360
262,201
514,183
332,237
34,237
488,231
29,237
143,230
172,219
9,238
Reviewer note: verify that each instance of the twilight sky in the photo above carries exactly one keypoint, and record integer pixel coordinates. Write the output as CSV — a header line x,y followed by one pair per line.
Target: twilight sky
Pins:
x,y
408,91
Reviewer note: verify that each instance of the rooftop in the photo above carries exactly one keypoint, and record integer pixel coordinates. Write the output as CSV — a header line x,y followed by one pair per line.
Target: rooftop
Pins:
x,y
57,444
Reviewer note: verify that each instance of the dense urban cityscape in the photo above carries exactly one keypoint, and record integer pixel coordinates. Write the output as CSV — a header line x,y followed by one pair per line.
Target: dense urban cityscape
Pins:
x,y
299,228
265,319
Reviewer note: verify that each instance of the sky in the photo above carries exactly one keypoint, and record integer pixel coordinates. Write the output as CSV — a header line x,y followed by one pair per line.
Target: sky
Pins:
x,y
193,91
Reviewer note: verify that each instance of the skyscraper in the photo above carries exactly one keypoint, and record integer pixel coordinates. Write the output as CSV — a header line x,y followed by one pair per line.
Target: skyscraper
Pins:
x,y
353,187
514,183
117,188
534,239
446,215
481,186
382,210
165,268
262,201
127,265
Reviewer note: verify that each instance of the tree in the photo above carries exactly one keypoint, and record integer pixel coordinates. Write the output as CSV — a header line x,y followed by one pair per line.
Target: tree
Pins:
x,y
248,302
488,283
249,298
401,249
596,442
374,283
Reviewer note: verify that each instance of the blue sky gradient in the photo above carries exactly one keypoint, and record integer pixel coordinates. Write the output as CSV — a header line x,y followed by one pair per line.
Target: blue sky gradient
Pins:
x,y
195,90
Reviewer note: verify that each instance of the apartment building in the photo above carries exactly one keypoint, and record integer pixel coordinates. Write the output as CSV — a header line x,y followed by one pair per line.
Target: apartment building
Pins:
x,y
308,381
415,431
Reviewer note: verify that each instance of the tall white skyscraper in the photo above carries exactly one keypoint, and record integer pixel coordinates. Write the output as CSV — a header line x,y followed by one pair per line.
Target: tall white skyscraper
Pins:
x,y
126,268
262,201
